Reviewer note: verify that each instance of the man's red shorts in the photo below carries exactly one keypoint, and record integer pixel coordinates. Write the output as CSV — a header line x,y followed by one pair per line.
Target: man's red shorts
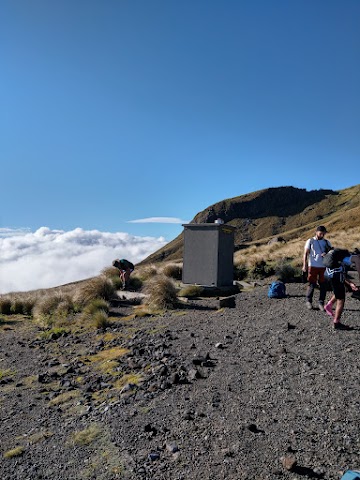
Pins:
x,y
316,274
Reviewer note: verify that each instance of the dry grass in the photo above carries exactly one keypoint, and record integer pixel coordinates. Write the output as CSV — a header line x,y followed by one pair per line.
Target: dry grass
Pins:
x,y
191,291
173,270
110,272
293,251
51,307
161,293
146,272
101,320
96,305
97,287
86,436
15,452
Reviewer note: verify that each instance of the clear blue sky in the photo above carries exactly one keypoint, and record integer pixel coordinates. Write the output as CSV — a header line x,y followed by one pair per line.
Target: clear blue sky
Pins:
x,y
119,110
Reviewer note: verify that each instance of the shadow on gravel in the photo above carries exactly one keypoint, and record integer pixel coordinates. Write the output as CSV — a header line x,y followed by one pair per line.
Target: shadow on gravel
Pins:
x,y
307,472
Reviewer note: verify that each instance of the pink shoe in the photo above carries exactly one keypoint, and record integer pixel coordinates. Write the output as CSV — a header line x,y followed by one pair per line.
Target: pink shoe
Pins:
x,y
328,309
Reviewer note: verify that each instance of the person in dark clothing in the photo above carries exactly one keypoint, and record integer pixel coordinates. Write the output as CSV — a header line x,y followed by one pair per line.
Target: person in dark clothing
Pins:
x,y
339,282
125,269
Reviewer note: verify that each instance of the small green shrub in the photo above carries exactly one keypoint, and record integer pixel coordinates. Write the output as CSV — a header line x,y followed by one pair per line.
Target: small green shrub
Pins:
x,y
173,270
161,293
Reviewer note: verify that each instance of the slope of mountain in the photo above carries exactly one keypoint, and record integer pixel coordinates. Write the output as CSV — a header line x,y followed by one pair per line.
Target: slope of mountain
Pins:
x,y
285,211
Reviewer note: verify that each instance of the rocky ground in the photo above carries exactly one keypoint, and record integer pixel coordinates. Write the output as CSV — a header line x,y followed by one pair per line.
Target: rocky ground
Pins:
x,y
264,390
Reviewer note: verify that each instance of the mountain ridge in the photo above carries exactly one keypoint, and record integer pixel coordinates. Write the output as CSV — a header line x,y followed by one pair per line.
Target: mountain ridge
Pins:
x,y
287,211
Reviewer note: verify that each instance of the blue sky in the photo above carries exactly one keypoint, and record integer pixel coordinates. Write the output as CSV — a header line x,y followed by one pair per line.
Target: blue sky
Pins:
x,y
118,111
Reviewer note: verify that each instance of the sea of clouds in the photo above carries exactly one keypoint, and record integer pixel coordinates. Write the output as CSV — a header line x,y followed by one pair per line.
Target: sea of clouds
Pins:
x,y
48,258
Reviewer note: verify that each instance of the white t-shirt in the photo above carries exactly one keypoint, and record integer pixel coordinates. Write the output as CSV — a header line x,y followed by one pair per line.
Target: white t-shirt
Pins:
x,y
317,248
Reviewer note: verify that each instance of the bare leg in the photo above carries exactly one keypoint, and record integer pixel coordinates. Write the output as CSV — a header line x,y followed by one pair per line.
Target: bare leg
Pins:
x,y
338,310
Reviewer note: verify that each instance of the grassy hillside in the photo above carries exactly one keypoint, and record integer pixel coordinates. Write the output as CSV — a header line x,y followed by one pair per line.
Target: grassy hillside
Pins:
x,y
290,212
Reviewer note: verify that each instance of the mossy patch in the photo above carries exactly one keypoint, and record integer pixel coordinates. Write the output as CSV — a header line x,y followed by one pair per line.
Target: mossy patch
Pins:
x,y
64,398
15,452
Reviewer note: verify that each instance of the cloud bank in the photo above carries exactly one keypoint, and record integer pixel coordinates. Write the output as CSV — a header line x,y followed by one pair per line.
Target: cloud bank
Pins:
x,y
159,220
48,258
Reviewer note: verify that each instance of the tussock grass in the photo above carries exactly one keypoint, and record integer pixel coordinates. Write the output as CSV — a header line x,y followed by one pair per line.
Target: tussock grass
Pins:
x,y
161,293
5,305
97,287
173,270
101,320
146,272
96,305
51,307
110,272
191,291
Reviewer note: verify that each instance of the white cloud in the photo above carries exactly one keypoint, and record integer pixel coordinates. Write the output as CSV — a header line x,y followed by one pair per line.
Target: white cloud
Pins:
x,y
48,258
159,220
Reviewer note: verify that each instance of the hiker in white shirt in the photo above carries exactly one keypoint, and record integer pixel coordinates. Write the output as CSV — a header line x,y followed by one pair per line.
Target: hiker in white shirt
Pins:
x,y
314,251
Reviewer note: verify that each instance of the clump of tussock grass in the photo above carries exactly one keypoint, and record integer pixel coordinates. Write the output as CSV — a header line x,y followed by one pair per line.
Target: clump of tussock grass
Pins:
x,y
161,293
96,305
191,291
101,320
97,287
117,282
5,305
173,270
146,272
52,306
135,283
110,272
286,272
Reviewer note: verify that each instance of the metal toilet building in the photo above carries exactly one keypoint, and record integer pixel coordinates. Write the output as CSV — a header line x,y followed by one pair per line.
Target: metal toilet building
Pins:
x,y
208,254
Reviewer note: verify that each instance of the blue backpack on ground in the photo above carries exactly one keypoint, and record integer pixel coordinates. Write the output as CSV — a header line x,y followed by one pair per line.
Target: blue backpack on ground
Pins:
x,y
277,290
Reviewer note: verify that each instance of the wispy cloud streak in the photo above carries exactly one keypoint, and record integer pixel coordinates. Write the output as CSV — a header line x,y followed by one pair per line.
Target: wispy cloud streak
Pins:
x,y
159,220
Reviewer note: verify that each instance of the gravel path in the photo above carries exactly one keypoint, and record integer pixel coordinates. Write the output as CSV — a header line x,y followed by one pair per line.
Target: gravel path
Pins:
x,y
264,390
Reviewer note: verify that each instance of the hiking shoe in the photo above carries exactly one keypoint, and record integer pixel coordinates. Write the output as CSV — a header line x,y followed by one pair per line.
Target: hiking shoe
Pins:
x,y
321,307
309,305
328,309
341,326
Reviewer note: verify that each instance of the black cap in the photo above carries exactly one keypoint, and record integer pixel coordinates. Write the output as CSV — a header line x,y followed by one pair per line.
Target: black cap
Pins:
x,y
321,228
